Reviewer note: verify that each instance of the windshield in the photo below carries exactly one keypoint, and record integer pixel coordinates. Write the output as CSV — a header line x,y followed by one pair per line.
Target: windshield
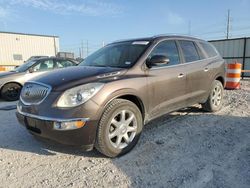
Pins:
x,y
24,67
120,55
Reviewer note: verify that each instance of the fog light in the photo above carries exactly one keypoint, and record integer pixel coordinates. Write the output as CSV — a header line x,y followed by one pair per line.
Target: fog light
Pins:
x,y
68,125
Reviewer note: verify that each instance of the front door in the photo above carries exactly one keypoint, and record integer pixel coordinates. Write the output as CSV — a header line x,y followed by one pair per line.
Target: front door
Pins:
x,y
167,83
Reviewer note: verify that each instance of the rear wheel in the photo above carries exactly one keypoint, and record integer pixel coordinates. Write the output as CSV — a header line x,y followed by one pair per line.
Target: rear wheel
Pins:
x,y
215,99
119,128
11,91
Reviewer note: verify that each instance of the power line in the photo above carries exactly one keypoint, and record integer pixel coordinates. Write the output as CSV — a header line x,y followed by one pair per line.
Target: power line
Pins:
x,y
229,31
83,48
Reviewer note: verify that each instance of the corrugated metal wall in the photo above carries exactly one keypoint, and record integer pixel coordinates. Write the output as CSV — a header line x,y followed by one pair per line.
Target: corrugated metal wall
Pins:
x,y
247,60
15,48
235,50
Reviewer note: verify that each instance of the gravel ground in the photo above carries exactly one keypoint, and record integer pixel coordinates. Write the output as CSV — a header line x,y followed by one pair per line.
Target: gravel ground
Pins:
x,y
188,148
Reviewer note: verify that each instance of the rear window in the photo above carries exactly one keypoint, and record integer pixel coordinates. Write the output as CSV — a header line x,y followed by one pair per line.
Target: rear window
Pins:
x,y
209,49
189,50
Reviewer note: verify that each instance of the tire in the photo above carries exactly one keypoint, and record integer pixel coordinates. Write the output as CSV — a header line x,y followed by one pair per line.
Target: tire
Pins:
x,y
215,99
112,126
11,91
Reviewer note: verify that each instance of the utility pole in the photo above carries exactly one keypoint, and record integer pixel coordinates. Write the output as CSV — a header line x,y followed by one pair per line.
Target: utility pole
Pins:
x,y
80,53
189,27
228,23
82,49
87,49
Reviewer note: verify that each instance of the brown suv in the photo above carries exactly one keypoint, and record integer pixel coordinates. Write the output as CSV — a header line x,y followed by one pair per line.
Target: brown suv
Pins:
x,y
105,101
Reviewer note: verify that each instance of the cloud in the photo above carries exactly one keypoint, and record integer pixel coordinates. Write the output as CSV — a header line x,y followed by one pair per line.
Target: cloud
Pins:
x,y
174,19
91,8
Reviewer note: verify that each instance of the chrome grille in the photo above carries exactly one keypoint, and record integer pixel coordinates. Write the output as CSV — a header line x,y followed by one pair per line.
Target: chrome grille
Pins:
x,y
34,93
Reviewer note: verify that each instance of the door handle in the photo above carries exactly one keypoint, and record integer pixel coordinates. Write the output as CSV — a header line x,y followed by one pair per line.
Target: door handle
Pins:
x,y
206,69
180,75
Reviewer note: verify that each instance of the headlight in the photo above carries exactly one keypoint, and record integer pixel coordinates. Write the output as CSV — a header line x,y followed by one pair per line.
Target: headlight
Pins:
x,y
78,95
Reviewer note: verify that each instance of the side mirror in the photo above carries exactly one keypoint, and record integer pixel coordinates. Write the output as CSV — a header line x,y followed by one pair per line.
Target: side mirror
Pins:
x,y
31,70
157,60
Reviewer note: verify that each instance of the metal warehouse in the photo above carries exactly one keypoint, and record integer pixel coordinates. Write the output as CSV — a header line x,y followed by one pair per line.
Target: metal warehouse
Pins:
x,y
237,49
15,48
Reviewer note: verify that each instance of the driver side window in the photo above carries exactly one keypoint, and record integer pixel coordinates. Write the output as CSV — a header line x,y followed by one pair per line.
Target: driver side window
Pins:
x,y
169,49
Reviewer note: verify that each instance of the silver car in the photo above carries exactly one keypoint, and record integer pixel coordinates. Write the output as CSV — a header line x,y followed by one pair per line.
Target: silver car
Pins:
x,y
11,82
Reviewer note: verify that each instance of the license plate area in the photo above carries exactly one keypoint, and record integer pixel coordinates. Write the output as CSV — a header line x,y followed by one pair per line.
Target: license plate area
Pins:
x,y
31,125
30,122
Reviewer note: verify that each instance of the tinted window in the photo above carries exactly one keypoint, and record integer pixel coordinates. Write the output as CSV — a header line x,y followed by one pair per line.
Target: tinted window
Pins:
x,y
63,63
168,49
189,51
209,49
44,65
123,55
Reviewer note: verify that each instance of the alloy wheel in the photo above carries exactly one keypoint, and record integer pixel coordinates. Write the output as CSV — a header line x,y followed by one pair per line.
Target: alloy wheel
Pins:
x,y
217,96
122,129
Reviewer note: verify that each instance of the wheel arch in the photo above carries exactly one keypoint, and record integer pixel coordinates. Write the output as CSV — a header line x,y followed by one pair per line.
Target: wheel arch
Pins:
x,y
130,96
221,79
136,100
11,82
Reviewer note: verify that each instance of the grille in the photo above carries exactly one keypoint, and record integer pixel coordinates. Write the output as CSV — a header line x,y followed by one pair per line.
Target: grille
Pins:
x,y
34,93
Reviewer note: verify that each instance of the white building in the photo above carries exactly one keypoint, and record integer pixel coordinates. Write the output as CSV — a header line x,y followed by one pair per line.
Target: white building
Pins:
x,y
15,48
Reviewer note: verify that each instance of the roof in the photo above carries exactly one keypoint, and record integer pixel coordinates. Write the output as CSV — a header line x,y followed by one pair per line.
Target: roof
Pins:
x,y
16,33
53,57
158,37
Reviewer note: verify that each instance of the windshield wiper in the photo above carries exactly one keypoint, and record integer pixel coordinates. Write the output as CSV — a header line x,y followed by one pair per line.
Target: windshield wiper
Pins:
x,y
102,66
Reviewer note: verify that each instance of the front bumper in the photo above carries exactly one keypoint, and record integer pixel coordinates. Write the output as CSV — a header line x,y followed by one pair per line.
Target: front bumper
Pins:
x,y
43,127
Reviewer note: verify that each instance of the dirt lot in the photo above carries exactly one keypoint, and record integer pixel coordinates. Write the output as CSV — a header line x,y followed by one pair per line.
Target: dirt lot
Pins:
x,y
188,148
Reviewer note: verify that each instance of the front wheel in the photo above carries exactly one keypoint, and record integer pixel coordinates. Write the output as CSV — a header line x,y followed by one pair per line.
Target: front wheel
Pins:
x,y
119,128
215,100
11,91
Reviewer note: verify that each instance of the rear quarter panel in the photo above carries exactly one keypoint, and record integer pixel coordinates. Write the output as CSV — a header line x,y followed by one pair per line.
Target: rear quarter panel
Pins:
x,y
217,68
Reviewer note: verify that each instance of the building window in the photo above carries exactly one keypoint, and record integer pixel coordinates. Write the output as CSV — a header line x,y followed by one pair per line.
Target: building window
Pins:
x,y
17,57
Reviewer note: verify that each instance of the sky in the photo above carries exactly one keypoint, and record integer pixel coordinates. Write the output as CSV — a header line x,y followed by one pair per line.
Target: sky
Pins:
x,y
90,23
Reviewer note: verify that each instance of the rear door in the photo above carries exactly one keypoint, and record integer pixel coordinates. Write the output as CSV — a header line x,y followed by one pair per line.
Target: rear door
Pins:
x,y
166,84
197,70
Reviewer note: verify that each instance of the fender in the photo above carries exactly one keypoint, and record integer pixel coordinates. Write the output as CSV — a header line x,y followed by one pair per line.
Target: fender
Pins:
x,y
118,94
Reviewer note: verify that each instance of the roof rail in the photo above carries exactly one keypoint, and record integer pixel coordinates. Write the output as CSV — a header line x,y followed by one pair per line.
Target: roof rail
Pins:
x,y
174,35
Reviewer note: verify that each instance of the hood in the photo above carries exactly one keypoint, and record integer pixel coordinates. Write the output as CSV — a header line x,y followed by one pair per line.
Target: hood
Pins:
x,y
4,74
63,79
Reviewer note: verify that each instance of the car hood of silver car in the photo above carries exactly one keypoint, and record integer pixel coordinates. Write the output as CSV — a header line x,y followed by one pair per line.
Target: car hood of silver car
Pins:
x,y
4,74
